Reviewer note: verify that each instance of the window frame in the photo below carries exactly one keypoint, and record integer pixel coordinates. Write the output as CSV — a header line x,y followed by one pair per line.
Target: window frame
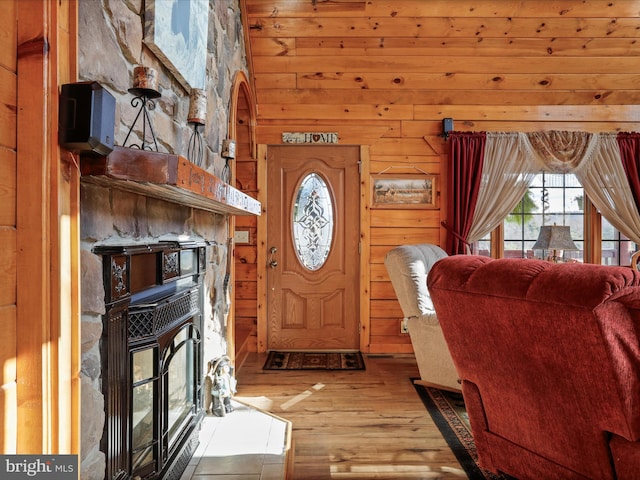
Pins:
x,y
592,235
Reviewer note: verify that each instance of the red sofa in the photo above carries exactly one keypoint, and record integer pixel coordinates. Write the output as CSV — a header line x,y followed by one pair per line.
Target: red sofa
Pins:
x,y
549,358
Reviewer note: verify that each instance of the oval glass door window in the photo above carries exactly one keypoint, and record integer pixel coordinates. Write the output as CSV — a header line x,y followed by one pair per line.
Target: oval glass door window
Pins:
x,y
312,222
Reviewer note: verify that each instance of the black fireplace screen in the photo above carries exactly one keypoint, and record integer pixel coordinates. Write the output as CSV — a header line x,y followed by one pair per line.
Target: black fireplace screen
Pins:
x,y
152,358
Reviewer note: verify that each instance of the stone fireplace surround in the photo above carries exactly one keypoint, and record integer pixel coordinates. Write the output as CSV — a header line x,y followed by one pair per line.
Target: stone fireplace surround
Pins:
x,y
110,44
123,211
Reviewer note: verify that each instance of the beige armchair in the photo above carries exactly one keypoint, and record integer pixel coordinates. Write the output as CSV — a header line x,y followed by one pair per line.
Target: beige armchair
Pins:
x,y
408,266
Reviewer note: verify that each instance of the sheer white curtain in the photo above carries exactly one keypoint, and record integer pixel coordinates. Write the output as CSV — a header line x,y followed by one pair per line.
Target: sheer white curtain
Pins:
x,y
507,172
512,160
606,184
595,160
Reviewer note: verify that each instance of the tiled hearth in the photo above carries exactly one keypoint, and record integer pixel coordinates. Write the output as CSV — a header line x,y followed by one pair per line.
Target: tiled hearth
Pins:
x,y
246,444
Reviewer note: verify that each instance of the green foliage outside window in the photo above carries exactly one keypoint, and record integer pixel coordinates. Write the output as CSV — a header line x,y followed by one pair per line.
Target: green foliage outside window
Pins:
x,y
522,213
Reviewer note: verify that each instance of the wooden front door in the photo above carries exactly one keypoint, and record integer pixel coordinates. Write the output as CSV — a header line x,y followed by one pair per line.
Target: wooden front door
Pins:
x,y
313,247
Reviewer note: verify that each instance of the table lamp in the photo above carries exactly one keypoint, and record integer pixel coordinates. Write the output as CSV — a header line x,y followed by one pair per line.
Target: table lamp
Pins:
x,y
554,237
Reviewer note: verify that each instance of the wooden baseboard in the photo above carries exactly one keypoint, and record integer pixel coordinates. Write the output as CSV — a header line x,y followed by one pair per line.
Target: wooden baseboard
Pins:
x,y
289,461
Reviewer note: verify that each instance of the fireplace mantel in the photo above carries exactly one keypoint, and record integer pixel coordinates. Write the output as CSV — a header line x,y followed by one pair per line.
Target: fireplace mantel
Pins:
x,y
169,177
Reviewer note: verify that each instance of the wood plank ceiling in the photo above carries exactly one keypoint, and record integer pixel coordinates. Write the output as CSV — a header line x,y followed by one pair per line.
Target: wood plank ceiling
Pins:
x,y
474,61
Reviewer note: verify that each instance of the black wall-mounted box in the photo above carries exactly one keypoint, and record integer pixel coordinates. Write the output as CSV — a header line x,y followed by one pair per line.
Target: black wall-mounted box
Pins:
x,y
87,118
447,125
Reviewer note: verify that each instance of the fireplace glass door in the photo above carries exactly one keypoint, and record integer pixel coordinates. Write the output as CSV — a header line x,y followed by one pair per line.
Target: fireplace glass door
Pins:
x,y
144,386
179,384
179,380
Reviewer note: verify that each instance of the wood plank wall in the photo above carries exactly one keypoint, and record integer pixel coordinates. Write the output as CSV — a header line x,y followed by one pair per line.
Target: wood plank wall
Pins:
x,y
384,73
39,269
8,252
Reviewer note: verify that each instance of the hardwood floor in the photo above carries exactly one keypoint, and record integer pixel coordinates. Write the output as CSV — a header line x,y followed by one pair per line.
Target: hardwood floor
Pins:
x,y
367,424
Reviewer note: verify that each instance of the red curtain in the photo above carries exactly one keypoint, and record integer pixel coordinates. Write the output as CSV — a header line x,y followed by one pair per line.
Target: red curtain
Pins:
x,y
629,144
466,158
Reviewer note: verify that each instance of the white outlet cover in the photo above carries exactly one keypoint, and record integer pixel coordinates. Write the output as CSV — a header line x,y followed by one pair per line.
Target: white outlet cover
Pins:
x,y
241,236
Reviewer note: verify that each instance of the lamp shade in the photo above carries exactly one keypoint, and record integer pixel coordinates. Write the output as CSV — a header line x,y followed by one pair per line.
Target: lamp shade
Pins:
x,y
554,237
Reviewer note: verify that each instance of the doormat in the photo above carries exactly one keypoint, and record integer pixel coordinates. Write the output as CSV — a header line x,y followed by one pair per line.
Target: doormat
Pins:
x,y
314,361
450,416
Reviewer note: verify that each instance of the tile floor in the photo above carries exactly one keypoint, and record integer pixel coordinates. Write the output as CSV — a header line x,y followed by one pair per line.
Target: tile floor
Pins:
x,y
246,444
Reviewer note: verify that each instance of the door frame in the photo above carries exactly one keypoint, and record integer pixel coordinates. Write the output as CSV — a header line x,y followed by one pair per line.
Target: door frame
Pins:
x,y
261,255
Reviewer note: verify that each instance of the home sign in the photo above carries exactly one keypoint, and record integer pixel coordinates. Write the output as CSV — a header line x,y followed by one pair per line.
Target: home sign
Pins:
x,y
309,137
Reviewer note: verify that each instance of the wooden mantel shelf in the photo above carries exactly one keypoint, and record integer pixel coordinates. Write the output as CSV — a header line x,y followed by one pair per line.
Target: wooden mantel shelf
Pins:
x,y
168,177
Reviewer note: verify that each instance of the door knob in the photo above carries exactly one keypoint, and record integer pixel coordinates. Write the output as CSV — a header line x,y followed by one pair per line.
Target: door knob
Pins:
x,y
273,263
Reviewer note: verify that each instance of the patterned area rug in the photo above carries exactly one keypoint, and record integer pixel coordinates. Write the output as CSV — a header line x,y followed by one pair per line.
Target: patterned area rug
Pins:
x,y
314,361
450,416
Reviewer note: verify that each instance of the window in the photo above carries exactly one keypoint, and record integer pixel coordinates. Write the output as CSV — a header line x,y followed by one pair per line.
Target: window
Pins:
x,y
616,248
551,199
560,199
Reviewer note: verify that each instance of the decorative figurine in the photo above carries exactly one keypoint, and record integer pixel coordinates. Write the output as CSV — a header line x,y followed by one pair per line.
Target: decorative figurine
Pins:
x,y
220,386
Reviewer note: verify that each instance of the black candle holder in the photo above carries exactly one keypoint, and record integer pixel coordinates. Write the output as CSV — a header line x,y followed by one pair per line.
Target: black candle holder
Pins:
x,y
143,100
195,151
226,172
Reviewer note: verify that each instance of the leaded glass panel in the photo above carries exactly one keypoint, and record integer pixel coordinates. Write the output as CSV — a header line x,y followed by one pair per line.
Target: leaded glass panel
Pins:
x,y
312,222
